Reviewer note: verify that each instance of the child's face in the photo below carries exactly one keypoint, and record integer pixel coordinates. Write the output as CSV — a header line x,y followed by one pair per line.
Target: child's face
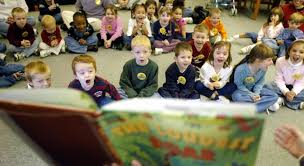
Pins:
x,y
20,19
274,18
110,15
221,55
123,3
151,9
169,5
80,24
41,81
215,18
264,64
293,25
296,53
50,28
140,14
141,54
177,14
200,38
297,3
164,18
85,74
183,60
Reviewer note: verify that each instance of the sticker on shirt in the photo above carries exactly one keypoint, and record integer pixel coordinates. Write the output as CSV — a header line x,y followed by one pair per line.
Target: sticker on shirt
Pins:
x,y
25,34
215,78
297,76
213,32
181,80
53,37
109,28
141,76
163,31
98,93
199,58
249,80
98,2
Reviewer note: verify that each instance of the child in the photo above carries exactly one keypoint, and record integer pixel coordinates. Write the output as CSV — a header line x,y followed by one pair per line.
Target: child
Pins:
x,y
38,75
125,4
50,7
151,8
139,75
52,41
164,32
249,76
84,70
138,25
80,37
290,34
289,79
215,74
267,33
111,31
21,36
180,29
201,46
216,27
180,75
169,4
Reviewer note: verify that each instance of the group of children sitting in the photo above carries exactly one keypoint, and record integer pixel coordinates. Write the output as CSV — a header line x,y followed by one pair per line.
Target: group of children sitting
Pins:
x,y
202,64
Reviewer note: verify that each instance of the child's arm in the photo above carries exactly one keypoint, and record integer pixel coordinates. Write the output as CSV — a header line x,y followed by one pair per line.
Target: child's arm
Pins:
x,y
298,34
274,31
279,39
119,29
103,30
171,82
184,31
11,36
112,91
222,31
147,28
259,84
131,25
126,83
261,34
31,33
152,85
156,28
298,85
225,78
279,76
239,76
58,34
205,75
189,87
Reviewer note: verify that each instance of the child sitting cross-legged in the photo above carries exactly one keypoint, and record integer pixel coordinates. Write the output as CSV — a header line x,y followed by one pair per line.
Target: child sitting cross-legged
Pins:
x,y
180,75
38,75
84,69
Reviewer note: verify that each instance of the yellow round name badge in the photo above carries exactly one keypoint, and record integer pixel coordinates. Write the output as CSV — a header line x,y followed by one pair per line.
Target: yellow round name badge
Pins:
x,y
297,76
249,80
181,80
97,2
109,27
162,31
215,78
141,76
25,34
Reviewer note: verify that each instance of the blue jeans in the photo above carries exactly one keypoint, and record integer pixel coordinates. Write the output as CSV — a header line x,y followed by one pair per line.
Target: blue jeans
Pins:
x,y
57,17
2,47
27,51
226,91
295,103
104,101
272,43
283,47
268,98
74,46
252,35
4,26
6,71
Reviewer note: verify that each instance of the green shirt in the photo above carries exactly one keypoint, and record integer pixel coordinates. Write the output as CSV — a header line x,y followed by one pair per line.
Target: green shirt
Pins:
x,y
139,81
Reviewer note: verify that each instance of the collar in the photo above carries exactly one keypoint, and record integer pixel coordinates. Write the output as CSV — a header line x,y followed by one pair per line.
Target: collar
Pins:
x,y
294,65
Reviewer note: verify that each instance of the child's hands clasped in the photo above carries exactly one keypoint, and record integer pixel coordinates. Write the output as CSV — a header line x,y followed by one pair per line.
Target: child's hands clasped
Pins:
x,y
255,98
166,42
108,43
54,43
26,43
82,41
290,95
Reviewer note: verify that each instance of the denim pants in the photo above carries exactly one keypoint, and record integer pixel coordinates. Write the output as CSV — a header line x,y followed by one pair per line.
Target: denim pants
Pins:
x,y
74,46
268,98
226,91
6,71
272,43
2,47
27,51
4,26
104,101
57,17
295,103
252,35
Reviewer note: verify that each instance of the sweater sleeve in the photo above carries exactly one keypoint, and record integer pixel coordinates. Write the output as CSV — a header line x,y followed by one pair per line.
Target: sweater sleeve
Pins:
x,y
126,83
113,92
279,77
119,29
298,85
171,82
58,34
274,32
11,36
130,27
45,38
189,87
239,77
259,84
148,26
225,77
223,31
261,34
298,34
204,72
151,87
103,32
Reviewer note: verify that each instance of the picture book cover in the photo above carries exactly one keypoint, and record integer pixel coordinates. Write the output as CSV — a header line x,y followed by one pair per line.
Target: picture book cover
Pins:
x,y
159,132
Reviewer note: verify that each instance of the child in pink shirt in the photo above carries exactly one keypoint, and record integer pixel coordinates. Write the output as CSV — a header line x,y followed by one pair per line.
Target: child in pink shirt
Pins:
x,y
111,32
289,79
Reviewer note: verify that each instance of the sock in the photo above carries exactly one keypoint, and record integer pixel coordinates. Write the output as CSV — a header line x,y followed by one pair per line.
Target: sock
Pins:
x,y
236,36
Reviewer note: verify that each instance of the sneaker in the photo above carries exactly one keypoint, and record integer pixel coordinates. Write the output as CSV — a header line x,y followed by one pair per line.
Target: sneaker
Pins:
x,y
223,99
158,51
275,107
119,46
35,31
62,50
92,48
302,106
267,112
2,56
280,101
247,49
44,53
18,56
233,38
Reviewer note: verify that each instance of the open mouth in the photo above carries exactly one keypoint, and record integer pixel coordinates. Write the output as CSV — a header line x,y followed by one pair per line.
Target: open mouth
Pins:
x,y
220,61
88,82
141,61
296,59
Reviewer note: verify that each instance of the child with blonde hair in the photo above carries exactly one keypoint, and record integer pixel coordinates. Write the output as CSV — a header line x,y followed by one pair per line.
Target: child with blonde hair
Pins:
x,y
21,37
164,32
38,75
139,77
216,27
52,41
289,79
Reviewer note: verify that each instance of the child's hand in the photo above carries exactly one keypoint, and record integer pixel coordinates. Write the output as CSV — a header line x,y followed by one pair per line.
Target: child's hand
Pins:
x,y
54,43
52,7
108,43
210,86
82,42
290,95
256,98
166,42
216,85
26,43
280,42
10,20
